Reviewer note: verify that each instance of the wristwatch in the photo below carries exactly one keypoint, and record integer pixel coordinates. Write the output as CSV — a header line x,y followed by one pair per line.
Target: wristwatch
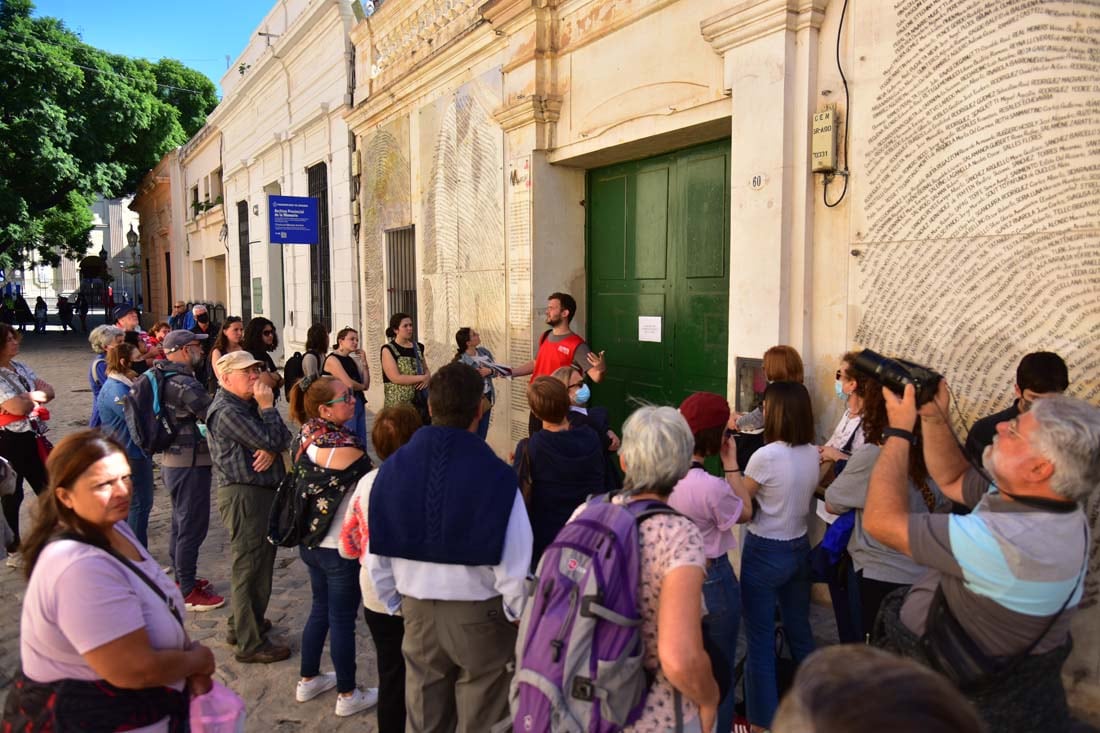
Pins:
x,y
905,435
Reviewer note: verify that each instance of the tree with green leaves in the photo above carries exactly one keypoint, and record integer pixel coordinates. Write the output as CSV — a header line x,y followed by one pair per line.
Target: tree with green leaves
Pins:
x,y
77,122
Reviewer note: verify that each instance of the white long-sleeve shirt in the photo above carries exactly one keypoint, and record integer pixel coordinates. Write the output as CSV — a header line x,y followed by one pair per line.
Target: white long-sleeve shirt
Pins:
x,y
395,577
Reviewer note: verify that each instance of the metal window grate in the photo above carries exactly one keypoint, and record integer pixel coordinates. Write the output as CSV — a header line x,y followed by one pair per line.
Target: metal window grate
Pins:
x,y
401,270
320,276
246,260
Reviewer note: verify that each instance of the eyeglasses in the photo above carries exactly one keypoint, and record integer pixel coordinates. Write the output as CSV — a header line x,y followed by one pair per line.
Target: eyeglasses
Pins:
x,y
257,370
1012,428
345,399
268,332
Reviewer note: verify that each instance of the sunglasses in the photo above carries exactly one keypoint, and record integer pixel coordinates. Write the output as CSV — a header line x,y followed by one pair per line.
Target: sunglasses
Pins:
x,y
268,332
345,399
838,374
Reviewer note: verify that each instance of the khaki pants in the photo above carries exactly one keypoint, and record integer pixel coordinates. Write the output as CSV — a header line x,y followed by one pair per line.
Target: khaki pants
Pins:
x,y
457,664
244,510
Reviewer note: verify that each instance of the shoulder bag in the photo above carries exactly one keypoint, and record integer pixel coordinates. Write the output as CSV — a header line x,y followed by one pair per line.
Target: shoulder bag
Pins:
x,y
94,706
952,653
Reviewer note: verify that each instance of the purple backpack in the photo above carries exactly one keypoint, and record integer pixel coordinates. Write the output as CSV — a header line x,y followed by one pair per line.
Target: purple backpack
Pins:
x,y
579,651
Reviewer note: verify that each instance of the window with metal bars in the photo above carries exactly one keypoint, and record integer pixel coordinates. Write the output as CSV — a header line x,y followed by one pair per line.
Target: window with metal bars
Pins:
x,y
167,281
401,270
320,275
246,260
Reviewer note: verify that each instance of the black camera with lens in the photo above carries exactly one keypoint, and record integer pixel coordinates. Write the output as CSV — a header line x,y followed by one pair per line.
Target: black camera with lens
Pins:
x,y
896,373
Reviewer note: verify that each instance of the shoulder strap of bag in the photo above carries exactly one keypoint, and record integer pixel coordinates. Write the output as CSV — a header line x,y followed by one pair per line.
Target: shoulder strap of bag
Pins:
x,y
851,439
1054,619
133,568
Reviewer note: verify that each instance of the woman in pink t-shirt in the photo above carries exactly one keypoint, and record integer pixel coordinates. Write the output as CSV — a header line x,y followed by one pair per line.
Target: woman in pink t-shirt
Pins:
x,y
98,607
715,505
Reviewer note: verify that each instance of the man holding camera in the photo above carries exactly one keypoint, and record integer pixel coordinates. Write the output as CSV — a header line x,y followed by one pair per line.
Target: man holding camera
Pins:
x,y
993,613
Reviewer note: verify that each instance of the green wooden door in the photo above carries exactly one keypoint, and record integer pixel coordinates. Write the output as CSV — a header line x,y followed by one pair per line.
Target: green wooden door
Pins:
x,y
658,248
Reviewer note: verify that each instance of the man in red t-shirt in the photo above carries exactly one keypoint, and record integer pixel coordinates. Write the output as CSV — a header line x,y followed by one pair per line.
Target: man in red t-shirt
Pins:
x,y
560,347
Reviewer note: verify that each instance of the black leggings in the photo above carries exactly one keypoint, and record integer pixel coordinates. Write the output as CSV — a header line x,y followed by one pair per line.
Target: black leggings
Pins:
x,y
871,593
388,632
21,450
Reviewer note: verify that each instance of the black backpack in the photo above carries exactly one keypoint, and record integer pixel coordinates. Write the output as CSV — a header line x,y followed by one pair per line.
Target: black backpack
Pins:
x,y
151,427
292,372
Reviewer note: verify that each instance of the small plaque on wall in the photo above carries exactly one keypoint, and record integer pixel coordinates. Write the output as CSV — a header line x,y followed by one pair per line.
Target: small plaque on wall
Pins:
x,y
257,295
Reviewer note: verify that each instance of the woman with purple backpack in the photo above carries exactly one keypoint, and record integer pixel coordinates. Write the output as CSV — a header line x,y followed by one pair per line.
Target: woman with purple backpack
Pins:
x,y
655,454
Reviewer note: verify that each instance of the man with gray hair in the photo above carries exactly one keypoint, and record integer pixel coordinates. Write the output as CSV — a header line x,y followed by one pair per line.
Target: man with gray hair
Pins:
x,y
1005,579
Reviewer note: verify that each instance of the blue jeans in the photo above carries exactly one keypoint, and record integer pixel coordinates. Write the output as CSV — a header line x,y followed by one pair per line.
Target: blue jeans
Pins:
x,y
483,425
336,597
189,489
773,571
141,497
723,598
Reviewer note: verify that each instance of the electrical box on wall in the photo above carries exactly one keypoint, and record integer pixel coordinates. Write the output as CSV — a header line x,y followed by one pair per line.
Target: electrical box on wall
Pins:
x,y
823,146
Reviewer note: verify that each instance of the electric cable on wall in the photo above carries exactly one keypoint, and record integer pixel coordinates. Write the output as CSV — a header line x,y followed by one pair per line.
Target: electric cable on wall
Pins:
x,y
847,115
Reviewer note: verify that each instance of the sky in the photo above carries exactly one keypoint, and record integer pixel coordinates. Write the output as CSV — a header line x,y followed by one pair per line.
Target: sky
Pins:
x,y
199,33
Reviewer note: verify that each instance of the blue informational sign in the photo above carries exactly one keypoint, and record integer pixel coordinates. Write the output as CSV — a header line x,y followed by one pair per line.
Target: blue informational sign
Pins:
x,y
292,219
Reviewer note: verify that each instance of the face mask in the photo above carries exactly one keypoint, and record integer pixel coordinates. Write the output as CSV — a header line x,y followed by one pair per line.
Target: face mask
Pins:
x,y
840,390
583,394
202,318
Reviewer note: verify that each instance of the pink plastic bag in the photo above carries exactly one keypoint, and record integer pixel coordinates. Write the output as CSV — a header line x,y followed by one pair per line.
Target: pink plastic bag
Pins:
x,y
219,711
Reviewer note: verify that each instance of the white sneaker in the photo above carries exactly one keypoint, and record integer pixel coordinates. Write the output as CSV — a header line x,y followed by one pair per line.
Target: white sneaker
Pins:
x,y
357,701
13,560
307,690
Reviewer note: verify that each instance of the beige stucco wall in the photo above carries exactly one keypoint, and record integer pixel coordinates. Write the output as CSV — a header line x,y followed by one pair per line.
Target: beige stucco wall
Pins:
x,y
198,272
969,233
156,205
281,116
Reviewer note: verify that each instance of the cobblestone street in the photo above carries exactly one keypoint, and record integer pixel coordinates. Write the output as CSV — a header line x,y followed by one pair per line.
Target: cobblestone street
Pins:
x,y
62,360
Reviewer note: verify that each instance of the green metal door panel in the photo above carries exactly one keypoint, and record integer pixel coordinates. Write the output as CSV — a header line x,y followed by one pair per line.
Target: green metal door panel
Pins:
x,y
705,205
658,245
621,332
702,323
651,224
607,232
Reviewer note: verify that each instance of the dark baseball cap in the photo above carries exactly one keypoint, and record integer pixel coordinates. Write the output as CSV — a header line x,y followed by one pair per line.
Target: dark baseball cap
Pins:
x,y
123,310
181,337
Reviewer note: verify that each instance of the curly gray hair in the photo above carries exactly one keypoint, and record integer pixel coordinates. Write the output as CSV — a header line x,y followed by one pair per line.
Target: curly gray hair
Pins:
x,y
103,336
1068,435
